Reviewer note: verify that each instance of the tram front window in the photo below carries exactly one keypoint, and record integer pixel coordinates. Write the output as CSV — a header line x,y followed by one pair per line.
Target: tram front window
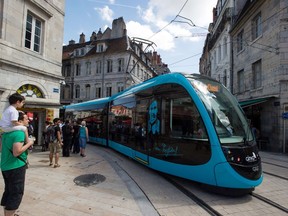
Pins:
x,y
226,115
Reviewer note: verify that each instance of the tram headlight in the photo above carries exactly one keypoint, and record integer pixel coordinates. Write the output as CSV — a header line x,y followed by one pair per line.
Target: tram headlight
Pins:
x,y
231,157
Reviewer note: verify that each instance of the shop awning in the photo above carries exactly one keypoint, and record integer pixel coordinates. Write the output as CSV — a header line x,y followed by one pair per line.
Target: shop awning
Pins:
x,y
253,102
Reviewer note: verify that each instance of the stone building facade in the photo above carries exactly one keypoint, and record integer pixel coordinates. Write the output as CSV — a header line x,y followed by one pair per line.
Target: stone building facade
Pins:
x,y
31,38
106,64
259,65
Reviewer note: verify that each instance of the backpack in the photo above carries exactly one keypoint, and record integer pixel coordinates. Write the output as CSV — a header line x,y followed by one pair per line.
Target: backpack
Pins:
x,y
50,134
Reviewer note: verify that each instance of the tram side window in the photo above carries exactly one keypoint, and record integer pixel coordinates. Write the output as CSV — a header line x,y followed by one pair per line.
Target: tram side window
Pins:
x,y
95,121
185,120
120,121
182,137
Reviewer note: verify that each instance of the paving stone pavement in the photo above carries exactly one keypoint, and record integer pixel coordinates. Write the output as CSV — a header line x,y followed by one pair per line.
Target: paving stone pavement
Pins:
x,y
52,191
97,185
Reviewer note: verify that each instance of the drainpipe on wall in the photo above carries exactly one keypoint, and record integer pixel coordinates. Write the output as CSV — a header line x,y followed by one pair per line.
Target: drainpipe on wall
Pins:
x,y
284,128
103,71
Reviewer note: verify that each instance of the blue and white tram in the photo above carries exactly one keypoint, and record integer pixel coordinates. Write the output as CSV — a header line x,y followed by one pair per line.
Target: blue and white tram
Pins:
x,y
189,126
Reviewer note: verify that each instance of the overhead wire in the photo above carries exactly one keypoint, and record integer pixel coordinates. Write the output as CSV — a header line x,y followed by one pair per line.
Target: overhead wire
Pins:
x,y
170,21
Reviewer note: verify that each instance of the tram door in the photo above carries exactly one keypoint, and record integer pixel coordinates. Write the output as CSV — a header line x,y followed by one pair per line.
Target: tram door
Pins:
x,y
142,158
141,146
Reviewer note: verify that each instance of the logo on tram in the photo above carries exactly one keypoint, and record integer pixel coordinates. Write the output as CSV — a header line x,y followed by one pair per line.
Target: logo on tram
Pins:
x,y
252,158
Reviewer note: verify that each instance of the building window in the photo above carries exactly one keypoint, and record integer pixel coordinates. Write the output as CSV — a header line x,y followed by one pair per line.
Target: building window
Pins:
x,y
78,69
142,74
133,66
138,70
109,66
120,65
225,78
257,71
108,89
33,33
240,41
67,72
256,26
82,52
219,53
87,89
100,48
98,67
240,80
29,90
88,68
98,91
120,87
77,91
225,47
215,58
66,92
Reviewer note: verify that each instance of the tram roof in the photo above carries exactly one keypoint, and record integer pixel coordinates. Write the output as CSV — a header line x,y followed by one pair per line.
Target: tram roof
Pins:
x,y
175,77
165,78
88,105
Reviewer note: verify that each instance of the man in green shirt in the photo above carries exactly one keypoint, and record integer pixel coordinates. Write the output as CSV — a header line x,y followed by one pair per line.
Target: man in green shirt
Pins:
x,y
13,166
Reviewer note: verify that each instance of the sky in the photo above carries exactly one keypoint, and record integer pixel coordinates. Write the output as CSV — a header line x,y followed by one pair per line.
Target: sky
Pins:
x,y
177,28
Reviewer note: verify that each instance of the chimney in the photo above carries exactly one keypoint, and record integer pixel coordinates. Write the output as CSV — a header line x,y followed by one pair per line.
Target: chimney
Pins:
x,y
214,15
93,36
99,34
71,42
118,28
82,38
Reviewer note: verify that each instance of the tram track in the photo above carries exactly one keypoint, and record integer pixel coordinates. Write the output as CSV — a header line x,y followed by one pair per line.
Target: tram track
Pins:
x,y
201,203
193,197
269,202
277,165
211,203
277,176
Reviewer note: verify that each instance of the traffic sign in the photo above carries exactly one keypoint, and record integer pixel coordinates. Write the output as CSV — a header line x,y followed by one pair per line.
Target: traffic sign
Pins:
x,y
285,115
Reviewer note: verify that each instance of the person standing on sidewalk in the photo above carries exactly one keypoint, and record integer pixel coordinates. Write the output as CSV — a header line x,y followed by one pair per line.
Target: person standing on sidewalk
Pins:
x,y
83,138
75,141
67,134
13,166
55,144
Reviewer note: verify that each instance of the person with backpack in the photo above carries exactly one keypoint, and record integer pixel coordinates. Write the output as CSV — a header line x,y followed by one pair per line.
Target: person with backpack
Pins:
x,y
55,142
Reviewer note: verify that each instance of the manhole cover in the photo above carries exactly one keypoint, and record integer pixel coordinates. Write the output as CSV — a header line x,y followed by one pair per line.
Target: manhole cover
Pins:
x,y
89,179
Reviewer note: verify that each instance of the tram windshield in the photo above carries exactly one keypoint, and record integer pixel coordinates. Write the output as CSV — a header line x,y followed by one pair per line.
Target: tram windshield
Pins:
x,y
224,111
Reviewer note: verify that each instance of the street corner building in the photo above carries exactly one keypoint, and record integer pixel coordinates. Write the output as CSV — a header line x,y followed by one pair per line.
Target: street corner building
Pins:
x,y
31,39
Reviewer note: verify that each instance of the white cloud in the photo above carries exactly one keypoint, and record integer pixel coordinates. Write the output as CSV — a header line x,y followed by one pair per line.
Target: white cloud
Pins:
x,y
192,10
106,13
111,1
160,13
163,40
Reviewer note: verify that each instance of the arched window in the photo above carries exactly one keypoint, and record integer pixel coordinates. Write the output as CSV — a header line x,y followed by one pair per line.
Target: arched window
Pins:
x,y
225,47
29,90
120,87
87,89
67,92
77,91
108,89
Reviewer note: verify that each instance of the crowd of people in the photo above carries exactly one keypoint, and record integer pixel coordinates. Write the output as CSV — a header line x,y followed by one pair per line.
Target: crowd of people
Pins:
x,y
69,137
